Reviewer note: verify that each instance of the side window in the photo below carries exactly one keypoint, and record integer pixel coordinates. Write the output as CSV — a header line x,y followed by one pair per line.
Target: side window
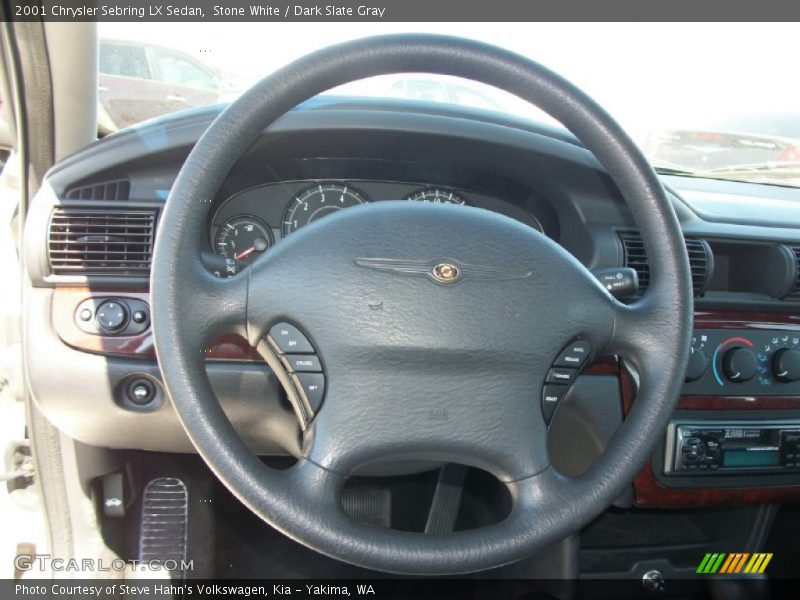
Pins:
x,y
176,69
124,60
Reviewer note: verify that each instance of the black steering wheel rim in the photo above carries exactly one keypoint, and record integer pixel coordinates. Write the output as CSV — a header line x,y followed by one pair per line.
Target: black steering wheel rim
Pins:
x,y
190,307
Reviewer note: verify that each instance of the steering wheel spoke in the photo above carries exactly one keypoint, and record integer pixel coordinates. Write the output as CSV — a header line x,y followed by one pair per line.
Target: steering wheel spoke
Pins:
x,y
210,306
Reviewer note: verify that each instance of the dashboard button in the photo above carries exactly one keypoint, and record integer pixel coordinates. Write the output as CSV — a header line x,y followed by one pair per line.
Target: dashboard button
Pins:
x,y
141,391
303,363
85,314
561,375
286,338
574,355
139,316
111,315
551,396
312,386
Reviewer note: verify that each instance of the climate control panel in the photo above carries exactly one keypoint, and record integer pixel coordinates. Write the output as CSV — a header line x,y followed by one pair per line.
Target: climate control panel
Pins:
x,y
743,362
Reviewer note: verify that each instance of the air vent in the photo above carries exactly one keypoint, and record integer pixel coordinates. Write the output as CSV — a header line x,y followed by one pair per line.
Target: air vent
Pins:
x,y
700,260
795,293
101,242
109,190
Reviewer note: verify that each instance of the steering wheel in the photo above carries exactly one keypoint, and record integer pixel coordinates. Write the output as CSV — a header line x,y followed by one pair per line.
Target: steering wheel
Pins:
x,y
436,325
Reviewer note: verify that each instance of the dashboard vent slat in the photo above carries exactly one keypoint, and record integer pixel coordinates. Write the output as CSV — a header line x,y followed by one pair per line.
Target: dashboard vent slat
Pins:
x,y
108,190
795,293
700,260
101,242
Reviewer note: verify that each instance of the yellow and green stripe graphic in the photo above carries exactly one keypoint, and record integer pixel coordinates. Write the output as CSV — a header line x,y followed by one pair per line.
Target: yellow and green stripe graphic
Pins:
x,y
734,562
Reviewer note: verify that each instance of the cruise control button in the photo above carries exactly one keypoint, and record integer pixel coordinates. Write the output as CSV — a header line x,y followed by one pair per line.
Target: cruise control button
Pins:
x,y
286,338
303,363
312,386
551,395
561,375
574,355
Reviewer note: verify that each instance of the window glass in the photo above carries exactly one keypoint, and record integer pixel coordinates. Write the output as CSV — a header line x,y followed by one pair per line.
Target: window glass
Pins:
x,y
175,69
473,98
124,60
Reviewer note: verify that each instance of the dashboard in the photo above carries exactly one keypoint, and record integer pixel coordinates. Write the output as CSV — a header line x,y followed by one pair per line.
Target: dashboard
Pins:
x,y
89,239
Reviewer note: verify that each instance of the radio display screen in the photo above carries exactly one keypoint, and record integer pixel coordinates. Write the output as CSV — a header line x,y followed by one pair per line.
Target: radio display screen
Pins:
x,y
751,458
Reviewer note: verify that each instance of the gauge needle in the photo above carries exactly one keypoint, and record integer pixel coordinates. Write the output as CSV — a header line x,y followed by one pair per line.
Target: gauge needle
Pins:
x,y
244,253
259,244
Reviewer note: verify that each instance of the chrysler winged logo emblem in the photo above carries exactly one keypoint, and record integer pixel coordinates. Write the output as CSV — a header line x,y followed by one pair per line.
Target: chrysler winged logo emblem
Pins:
x,y
443,270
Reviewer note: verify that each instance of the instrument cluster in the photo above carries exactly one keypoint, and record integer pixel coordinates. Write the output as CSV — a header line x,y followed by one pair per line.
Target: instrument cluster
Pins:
x,y
252,221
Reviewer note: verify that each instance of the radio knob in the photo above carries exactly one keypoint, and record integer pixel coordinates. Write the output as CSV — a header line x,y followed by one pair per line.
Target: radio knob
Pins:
x,y
697,364
739,364
786,365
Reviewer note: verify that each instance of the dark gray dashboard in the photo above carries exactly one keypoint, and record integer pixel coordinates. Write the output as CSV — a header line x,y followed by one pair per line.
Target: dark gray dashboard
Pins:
x,y
534,173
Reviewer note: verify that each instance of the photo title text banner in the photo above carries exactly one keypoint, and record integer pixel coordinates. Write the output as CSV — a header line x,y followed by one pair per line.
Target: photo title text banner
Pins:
x,y
403,10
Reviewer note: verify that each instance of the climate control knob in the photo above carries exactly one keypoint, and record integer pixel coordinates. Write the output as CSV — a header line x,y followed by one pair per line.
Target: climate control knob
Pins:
x,y
739,364
697,364
786,365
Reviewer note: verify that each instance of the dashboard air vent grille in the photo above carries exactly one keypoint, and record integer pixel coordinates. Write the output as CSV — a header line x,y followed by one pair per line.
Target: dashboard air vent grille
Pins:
x,y
795,293
109,190
101,242
700,260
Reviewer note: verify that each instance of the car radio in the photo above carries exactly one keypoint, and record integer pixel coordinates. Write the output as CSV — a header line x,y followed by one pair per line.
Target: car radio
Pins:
x,y
732,447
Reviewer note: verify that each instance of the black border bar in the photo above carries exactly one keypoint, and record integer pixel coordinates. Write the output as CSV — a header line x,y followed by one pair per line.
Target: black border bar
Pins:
x,y
402,10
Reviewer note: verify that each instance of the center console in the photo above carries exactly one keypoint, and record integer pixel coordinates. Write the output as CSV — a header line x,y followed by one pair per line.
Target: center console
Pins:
x,y
735,435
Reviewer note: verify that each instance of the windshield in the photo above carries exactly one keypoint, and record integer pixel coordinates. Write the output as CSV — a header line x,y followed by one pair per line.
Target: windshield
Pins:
x,y
705,100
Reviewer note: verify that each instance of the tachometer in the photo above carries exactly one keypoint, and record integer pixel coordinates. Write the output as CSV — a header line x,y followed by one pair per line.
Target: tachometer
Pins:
x,y
242,238
315,202
437,196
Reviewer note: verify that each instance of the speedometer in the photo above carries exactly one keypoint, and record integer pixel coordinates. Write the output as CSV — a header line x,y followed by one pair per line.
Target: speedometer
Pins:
x,y
317,201
437,196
